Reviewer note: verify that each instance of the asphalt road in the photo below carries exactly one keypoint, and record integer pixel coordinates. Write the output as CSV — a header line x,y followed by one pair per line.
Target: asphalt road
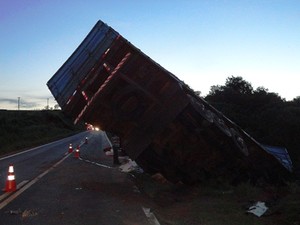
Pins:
x,y
32,162
62,189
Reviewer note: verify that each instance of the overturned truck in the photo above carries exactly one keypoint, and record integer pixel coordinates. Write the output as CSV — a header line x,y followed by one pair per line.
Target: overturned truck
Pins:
x,y
164,126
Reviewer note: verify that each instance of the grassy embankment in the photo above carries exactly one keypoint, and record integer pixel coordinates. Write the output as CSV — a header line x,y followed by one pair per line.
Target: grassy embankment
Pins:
x,y
25,129
211,203
216,202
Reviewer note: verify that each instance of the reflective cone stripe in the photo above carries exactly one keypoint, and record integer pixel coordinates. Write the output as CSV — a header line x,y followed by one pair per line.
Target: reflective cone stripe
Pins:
x,y
11,169
76,154
70,148
10,184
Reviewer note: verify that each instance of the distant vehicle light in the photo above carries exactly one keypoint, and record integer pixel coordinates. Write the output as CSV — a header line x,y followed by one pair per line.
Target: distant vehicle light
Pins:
x,y
89,127
97,128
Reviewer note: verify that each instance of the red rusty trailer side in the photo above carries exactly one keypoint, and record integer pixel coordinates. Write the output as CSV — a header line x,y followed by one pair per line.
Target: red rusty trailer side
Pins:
x,y
163,124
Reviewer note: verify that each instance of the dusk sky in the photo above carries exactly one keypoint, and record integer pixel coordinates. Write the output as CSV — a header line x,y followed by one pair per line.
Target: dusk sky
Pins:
x,y
202,42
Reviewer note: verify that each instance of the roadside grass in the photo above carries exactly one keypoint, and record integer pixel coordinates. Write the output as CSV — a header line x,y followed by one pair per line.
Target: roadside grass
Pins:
x,y
20,130
217,202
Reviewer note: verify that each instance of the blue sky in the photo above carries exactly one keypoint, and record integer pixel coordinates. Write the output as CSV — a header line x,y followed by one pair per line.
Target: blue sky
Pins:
x,y
202,42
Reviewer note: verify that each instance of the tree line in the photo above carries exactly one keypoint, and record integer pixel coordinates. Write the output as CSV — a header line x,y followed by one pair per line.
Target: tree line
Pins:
x,y
266,116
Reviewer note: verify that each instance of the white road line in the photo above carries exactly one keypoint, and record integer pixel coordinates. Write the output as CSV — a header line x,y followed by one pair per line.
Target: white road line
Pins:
x,y
6,194
102,165
95,163
32,149
29,184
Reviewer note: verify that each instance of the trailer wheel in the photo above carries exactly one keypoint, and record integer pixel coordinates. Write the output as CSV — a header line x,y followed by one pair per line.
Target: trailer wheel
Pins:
x,y
239,141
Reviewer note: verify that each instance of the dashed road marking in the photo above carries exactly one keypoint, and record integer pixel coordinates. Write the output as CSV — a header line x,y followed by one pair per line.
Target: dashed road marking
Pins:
x,y
29,184
95,163
6,194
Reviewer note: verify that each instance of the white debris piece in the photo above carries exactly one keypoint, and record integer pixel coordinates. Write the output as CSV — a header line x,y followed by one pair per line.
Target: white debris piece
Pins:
x,y
151,217
109,153
258,209
130,166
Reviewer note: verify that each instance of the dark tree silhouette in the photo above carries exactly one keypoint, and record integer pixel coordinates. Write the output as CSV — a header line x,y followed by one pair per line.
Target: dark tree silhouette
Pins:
x,y
264,115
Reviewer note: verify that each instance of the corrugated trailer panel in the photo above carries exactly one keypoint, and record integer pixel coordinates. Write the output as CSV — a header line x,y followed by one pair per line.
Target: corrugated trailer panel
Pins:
x,y
137,100
66,80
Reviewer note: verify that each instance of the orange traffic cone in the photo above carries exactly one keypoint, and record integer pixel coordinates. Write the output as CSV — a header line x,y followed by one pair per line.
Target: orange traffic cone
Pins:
x,y
76,154
10,184
70,148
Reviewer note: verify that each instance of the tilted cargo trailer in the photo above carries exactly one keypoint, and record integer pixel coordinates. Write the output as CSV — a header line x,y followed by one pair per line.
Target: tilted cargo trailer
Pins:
x,y
164,126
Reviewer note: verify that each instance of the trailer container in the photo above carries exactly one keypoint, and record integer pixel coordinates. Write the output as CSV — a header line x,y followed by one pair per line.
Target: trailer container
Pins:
x,y
164,126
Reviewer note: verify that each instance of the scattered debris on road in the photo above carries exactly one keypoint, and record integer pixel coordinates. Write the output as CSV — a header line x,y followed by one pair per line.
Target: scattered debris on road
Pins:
x,y
29,213
258,209
14,212
130,166
151,217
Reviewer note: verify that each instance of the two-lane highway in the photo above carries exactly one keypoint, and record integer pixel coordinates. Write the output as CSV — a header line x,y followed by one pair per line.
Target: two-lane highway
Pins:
x,y
63,189
29,164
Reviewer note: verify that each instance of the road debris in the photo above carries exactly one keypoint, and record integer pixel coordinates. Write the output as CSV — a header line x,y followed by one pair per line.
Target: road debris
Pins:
x,y
130,166
258,209
151,217
29,213
14,212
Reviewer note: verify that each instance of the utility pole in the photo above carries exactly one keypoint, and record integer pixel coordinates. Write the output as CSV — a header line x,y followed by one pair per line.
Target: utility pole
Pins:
x,y
47,103
19,103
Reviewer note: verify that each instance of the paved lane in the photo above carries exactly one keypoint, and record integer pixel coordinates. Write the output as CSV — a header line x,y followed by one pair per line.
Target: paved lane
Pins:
x,y
31,163
89,191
